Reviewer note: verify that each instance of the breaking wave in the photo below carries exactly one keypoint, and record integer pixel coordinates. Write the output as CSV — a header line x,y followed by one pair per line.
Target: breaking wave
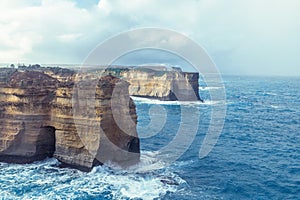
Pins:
x,y
142,100
45,180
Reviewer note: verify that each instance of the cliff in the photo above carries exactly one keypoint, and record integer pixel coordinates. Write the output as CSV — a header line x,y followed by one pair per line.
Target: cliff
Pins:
x,y
167,84
37,120
24,116
163,85
88,134
81,118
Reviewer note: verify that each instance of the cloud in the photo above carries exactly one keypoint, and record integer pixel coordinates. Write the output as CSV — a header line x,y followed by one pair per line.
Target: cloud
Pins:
x,y
69,37
26,28
253,37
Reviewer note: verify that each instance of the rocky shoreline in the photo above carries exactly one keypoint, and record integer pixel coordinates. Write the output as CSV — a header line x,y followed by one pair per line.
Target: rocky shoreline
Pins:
x,y
37,117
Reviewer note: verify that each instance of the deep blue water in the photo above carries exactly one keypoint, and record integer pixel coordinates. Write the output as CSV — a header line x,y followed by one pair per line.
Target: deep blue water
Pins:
x,y
257,155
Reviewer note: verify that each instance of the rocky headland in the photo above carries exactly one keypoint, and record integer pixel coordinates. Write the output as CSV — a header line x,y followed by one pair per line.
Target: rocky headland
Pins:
x,y
167,84
69,115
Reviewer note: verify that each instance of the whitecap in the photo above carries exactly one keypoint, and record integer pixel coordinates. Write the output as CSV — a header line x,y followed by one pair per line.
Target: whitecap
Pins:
x,y
275,107
203,88
271,93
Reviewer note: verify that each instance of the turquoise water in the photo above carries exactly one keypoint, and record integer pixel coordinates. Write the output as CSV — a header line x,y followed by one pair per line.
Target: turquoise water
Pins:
x,y
257,155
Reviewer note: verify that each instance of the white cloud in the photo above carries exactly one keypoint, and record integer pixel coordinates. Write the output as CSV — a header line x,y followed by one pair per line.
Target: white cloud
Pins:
x,y
68,37
26,28
239,35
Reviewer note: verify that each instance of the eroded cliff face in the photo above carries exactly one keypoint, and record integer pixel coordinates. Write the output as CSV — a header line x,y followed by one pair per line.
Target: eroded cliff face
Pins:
x,y
87,133
79,118
37,119
163,85
167,84
25,134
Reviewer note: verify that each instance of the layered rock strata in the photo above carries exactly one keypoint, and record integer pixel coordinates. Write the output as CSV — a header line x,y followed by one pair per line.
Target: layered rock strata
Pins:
x,y
87,133
167,84
163,85
25,134
37,120
80,118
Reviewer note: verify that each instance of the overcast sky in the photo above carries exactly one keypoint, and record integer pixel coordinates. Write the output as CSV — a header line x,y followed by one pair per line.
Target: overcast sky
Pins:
x,y
242,37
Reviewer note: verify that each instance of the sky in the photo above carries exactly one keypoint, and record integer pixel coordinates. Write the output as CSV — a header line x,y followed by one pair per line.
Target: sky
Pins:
x,y
251,37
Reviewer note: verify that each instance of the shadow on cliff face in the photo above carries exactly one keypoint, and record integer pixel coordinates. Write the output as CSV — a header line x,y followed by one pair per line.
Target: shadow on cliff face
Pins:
x,y
134,145
46,141
24,150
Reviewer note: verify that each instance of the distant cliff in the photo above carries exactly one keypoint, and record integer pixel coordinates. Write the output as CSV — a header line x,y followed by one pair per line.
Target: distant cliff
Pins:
x,y
37,120
167,84
163,85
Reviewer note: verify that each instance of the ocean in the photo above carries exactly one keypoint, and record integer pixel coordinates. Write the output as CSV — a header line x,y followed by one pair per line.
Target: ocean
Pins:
x,y
257,156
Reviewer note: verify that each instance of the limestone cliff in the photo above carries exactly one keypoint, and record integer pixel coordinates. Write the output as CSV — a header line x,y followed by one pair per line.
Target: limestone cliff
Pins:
x,y
37,120
88,134
81,118
25,98
160,83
